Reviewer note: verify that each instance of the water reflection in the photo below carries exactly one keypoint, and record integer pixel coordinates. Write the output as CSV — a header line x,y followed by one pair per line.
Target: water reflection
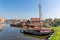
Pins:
x,y
13,33
33,36
1,26
40,37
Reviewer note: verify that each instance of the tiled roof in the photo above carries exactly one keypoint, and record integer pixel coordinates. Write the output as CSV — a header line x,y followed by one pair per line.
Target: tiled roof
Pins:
x,y
35,19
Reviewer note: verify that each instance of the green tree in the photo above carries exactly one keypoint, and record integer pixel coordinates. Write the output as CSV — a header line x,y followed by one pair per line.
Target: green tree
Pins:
x,y
49,22
57,22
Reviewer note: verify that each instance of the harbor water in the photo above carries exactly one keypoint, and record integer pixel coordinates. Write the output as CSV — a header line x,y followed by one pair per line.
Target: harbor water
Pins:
x,y
13,33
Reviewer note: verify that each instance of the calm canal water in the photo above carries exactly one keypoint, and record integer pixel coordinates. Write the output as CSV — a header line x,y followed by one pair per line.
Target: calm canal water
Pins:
x,y
13,33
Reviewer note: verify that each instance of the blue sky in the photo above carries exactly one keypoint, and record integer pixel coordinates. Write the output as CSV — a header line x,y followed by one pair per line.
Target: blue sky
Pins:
x,y
26,9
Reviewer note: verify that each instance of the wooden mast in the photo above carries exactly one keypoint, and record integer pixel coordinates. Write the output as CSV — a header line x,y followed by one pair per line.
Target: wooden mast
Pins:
x,y
40,14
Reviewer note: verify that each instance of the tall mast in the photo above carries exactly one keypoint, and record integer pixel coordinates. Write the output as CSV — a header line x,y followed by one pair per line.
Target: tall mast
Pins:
x,y
40,14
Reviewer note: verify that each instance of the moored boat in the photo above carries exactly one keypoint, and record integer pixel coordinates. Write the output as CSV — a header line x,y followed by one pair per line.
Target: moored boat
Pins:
x,y
14,24
38,32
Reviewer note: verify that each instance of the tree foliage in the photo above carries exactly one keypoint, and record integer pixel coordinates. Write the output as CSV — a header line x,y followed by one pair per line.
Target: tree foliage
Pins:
x,y
57,22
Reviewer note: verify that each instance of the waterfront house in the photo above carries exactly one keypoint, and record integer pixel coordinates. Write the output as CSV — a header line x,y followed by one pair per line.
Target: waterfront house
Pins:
x,y
35,21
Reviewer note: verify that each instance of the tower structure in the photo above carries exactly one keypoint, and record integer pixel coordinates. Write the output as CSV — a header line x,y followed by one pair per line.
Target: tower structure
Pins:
x,y
40,13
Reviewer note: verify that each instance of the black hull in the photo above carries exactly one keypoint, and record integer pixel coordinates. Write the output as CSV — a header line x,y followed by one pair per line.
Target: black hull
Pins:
x,y
38,33
15,25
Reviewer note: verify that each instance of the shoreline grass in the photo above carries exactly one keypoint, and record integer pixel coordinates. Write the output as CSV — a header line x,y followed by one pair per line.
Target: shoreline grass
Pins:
x,y
56,35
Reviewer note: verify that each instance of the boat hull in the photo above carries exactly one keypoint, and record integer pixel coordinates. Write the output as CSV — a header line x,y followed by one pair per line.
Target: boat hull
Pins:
x,y
15,25
38,33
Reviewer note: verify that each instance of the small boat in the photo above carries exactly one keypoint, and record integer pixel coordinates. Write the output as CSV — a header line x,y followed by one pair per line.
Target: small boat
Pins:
x,y
38,32
15,24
